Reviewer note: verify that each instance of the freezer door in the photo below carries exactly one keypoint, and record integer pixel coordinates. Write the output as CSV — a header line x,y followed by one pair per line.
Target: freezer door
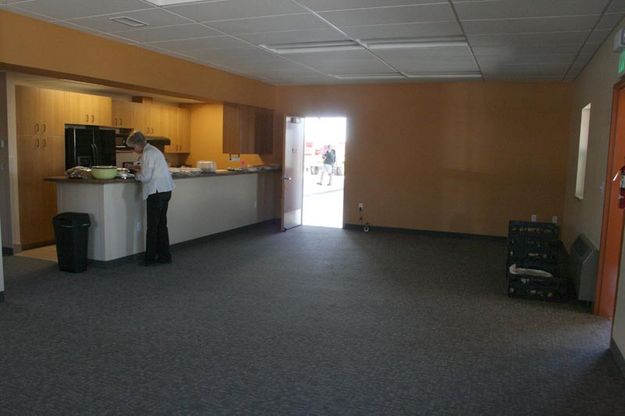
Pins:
x,y
106,147
79,147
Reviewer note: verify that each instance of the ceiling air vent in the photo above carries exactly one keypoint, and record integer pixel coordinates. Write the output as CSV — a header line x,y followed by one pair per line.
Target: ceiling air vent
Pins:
x,y
128,21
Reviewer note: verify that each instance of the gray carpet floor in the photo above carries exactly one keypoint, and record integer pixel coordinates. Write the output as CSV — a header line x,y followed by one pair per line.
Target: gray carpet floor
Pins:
x,y
309,322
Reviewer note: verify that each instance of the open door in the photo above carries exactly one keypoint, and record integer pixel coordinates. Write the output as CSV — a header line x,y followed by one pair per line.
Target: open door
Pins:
x,y
293,173
612,228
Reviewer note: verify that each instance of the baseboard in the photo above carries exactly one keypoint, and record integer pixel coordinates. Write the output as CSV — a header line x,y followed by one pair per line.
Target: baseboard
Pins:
x,y
618,356
30,246
7,251
137,258
446,234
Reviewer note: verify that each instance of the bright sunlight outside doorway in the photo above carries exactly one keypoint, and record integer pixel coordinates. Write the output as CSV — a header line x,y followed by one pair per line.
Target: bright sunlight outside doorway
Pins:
x,y
324,171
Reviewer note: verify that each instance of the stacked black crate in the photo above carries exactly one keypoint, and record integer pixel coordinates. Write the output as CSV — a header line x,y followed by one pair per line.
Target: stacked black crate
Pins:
x,y
535,266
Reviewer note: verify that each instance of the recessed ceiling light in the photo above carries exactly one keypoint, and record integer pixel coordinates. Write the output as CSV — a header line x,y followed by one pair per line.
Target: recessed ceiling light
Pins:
x,y
377,44
128,21
171,2
457,75
369,76
313,47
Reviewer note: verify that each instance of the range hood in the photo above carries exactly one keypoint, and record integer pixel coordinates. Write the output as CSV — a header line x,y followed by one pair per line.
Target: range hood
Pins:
x,y
158,140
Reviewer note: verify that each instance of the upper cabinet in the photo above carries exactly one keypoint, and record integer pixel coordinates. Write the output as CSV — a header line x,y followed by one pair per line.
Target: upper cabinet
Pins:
x,y
247,129
122,114
88,109
40,111
179,129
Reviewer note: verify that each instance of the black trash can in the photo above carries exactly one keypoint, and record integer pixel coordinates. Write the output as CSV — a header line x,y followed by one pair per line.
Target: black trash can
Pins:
x,y
71,231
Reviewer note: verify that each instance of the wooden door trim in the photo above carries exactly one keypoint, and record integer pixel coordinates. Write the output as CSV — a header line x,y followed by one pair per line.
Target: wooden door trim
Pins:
x,y
606,201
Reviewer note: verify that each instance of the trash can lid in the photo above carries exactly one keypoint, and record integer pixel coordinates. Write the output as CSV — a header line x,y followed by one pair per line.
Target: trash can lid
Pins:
x,y
75,219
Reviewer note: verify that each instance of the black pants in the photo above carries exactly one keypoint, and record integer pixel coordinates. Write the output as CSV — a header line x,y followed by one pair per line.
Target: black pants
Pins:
x,y
157,236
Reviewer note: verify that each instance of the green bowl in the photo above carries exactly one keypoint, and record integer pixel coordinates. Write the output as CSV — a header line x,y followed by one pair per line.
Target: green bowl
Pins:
x,y
104,172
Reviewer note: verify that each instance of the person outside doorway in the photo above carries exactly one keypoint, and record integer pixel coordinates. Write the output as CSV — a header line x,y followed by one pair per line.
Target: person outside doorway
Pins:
x,y
329,159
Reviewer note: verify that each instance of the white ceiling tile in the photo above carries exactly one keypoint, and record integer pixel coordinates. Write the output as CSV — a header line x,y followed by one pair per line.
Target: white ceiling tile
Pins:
x,y
531,25
500,9
525,52
609,21
388,15
345,62
152,17
236,9
14,9
325,5
269,24
156,34
292,36
71,9
186,45
529,39
430,60
404,30
598,36
616,6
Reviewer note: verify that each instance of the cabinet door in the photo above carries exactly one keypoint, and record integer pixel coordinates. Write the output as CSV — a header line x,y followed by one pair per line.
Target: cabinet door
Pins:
x,y
231,129
76,108
263,131
247,120
52,103
27,107
101,110
184,130
140,117
121,112
31,200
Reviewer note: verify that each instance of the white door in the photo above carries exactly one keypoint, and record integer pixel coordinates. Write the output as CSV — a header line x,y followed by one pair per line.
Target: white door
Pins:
x,y
293,173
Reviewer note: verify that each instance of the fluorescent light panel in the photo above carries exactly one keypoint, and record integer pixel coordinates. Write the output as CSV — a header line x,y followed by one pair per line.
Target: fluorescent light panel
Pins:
x,y
172,2
369,76
458,75
379,44
313,47
128,21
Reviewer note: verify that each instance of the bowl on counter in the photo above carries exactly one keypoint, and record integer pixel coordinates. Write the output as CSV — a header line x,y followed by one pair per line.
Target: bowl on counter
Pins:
x,y
104,172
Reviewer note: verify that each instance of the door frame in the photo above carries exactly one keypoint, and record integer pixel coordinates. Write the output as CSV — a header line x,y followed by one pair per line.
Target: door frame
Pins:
x,y
605,302
283,178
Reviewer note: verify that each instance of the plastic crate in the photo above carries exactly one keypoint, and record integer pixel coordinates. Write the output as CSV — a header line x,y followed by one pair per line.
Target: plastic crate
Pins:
x,y
527,229
544,288
534,249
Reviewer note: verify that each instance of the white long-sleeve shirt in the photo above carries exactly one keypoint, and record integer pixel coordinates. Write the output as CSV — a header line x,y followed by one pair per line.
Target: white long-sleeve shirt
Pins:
x,y
154,174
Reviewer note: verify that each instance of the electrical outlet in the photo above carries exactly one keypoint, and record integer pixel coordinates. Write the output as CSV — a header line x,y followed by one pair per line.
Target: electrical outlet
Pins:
x,y
361,206
533,218
554,219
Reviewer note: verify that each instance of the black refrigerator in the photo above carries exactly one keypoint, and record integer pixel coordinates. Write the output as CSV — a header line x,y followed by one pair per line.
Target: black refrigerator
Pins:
x,y
89,146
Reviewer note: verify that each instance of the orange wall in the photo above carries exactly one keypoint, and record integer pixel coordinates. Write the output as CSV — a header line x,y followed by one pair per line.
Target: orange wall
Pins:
x,y
207,138
31,45
458,157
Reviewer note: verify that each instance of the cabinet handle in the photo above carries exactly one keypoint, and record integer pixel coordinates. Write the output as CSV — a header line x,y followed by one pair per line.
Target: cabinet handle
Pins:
x,y
92,118
36,127
43,128
43,142
115,122
87,118
121,122
36,142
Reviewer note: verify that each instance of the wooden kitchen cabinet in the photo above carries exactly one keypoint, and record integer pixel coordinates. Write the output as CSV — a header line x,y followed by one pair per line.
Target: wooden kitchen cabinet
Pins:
x,y
122,114
40,116
88,109
184,130
247,129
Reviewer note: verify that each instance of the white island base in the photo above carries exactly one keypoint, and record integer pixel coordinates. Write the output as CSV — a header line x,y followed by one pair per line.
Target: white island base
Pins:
x,y
200,206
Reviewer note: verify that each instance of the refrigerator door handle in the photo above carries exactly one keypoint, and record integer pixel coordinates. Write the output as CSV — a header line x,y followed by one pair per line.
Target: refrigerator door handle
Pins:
x,y
94,152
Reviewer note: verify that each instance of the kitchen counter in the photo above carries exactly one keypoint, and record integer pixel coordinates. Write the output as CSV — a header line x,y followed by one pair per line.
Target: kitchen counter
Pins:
x,y
200,206
174,175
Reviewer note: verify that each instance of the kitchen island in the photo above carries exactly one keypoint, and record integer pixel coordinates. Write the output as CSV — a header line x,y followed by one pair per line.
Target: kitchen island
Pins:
x,y
200,206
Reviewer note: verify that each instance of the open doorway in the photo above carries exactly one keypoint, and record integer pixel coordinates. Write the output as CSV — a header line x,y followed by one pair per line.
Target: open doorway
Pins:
x,y
324,171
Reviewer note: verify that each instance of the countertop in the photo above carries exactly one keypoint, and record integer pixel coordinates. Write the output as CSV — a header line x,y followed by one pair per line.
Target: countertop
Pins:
x,y
176,176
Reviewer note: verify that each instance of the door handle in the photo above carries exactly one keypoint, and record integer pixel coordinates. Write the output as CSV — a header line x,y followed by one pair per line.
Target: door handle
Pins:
x,y
287,178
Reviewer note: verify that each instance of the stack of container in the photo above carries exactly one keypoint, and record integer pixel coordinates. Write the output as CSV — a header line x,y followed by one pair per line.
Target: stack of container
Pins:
x,y
536,261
